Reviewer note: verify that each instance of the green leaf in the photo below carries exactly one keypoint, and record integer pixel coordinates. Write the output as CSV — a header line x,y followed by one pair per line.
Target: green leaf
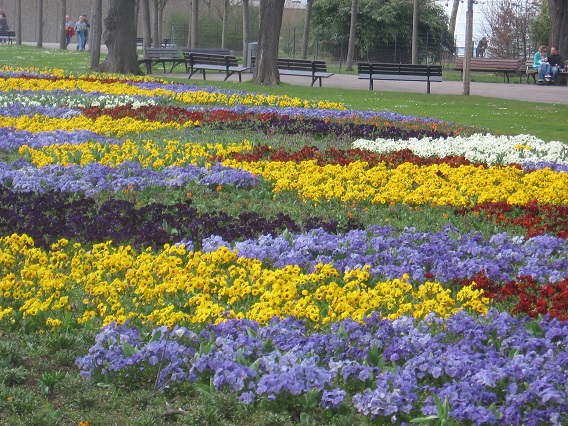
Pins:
x,y
534,329
306,419
423,419
156,336
342,333
128,350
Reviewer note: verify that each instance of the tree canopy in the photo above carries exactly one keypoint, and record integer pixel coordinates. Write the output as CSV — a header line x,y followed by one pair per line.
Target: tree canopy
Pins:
x,y
382,26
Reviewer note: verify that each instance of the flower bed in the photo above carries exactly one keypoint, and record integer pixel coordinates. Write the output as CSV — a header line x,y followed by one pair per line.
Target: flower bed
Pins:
x,y
313,260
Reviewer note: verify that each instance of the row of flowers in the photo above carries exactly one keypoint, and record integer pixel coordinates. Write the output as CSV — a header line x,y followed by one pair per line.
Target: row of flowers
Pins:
x,y
396,324
174,286
492,369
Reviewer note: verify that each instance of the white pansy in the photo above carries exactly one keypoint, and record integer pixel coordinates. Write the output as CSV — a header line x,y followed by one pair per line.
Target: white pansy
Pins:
x,y
480,148
73,100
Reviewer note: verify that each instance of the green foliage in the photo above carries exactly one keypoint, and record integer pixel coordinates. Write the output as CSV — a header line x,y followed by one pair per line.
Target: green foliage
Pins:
x,y
380,23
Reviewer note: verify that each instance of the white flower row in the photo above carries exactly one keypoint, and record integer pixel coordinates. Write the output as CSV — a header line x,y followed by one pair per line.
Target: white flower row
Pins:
x,y
73,100
479,148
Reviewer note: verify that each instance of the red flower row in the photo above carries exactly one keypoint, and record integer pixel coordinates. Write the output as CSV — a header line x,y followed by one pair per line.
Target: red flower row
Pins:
x,y
529,298
537,219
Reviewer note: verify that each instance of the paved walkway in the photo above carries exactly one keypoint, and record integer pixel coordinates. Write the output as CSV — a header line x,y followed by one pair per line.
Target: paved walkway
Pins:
x,y
512,91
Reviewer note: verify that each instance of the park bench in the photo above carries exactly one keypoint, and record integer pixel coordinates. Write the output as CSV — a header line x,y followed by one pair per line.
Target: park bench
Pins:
x,y
210,62
400,72
532,72
316,70
161,55
493,65
208,50
7,37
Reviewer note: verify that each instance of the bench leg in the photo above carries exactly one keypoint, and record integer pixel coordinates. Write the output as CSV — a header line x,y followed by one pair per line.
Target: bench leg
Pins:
x,y
428,86
370,84
203,71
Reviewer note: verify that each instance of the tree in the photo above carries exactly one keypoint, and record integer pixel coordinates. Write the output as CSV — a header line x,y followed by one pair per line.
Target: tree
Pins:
x,y
454,18
39,23
146,23
62,37
384,29
246,31
415,12
510,28
18,22
306,34
558,10
266,67
194,21
96,29
352,34
120,38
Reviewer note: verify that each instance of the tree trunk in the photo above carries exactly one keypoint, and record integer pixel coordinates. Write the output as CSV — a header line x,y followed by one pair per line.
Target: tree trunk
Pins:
x,y
468,49
120,38
96,29
194,19
156,39
246,31
146,23
225,24
415,32
306,35
558,11
62,36
454,18
266,67
39,23
161,20
18,22
352,33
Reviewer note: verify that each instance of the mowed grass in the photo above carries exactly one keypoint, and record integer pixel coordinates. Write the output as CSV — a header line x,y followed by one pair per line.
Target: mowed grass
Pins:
x,y
546,121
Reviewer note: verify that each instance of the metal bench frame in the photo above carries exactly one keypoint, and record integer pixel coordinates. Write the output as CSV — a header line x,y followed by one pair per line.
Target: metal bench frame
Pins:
x,y
161,55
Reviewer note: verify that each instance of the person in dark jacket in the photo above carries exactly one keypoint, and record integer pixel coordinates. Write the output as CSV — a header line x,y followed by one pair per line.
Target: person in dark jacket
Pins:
x,y
556,64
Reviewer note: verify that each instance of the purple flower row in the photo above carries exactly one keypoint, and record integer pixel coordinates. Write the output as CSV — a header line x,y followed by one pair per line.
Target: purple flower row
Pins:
x,y
20,110
94,177
11,140
493,369
444,256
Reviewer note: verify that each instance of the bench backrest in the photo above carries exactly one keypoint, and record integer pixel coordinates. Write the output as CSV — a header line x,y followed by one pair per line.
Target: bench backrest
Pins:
x,y
399,69
491,64
11,34
297,64
301,65
211,51
203,58
161,53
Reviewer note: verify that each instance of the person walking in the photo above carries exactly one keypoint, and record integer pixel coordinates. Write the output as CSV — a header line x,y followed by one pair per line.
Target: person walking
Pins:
x,y
3,21
69,30
81,31
86,21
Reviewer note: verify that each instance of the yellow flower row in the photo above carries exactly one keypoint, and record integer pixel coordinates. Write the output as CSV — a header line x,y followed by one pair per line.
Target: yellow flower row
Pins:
x,y
148,153
104,125
188,97
174,286
412,184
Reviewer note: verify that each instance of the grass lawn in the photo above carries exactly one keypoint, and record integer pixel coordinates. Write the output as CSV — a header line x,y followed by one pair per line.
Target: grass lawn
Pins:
x,y
128,193
546,121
